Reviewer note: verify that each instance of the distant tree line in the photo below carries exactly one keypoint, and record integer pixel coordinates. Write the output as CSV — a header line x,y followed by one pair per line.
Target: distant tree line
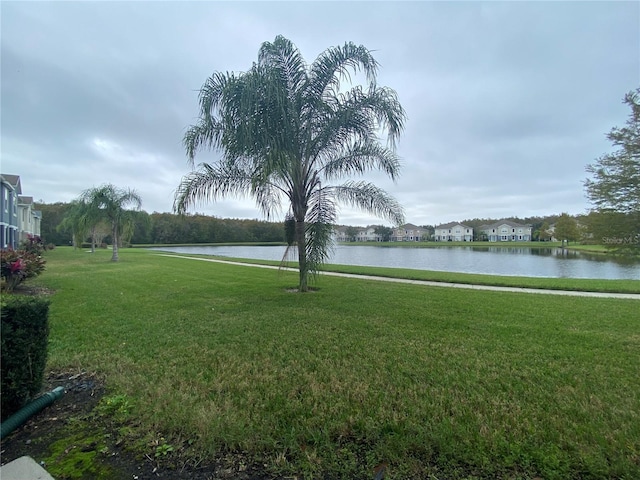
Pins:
x,y
163,228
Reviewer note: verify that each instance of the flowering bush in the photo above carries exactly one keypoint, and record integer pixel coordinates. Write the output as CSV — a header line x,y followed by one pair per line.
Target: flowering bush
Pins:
x,y
33,244
18,265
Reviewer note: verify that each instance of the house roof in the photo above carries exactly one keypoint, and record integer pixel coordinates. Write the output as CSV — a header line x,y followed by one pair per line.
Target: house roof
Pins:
x,y
25,200
14,181
452,224
410,226
504,222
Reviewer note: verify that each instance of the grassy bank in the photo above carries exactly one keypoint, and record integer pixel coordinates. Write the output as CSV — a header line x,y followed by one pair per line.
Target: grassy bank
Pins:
x,y
478,244
432,381
576,284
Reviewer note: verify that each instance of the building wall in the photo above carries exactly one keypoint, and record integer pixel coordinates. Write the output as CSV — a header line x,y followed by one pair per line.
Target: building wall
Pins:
x,y
368,235
407,233
454,233
8,216
509,233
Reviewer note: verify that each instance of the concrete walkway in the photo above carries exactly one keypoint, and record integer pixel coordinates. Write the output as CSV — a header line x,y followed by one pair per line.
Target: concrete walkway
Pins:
x,y
573,293
23,468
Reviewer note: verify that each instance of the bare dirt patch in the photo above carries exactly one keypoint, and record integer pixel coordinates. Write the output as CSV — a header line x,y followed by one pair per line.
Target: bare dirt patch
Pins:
x,y
72,443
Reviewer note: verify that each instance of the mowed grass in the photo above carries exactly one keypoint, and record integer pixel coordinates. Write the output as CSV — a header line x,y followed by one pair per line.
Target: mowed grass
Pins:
x,y
435,382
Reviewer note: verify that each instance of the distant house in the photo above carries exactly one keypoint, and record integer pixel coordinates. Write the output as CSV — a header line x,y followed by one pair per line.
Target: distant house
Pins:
x,y
9,226
408,233
18,219
340,234
506,231
368,234
552,233
28,218
453,232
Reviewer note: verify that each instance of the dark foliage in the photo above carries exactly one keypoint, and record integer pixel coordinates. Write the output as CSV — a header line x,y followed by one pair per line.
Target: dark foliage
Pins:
x,y
24,336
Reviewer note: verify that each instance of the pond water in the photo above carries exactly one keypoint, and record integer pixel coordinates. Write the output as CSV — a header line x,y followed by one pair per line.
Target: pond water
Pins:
x,y
508,260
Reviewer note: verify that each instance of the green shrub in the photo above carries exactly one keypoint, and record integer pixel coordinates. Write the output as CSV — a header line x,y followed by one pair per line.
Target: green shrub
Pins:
x,y
24,335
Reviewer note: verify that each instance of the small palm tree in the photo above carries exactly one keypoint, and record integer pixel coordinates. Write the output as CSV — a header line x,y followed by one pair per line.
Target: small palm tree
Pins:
x,y
111,203
287,130
84,220
78,221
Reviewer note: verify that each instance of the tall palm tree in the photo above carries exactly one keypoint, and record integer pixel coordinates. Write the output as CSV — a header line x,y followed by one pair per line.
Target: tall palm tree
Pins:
x,y
111,202
287,130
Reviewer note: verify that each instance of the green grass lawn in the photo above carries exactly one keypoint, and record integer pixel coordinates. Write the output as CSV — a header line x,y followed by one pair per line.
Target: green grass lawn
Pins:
x,y
432,381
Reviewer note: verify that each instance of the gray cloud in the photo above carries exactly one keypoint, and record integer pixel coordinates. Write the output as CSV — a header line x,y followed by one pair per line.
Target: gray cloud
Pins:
x,y
507,101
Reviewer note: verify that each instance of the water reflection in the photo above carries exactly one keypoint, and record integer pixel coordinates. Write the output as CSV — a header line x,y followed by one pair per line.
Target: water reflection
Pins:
x,y
493,260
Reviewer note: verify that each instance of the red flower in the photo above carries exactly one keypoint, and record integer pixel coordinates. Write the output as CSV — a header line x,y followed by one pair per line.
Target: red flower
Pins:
x,y
17,265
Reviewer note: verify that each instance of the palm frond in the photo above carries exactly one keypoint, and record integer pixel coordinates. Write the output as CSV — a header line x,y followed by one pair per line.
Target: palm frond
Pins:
x,y
209,184
321,217
360,157
334,64
212,92
206,133
355,116
371,199
285,57
319,245
389,113
267,197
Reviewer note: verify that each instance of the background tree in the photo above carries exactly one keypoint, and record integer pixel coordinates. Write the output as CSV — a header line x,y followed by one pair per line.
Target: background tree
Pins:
x,y
288,130
615,230
352,233
142,228
52,215
84,220
543,234
429,232
384,232
567,229
614,188
110,202
74,221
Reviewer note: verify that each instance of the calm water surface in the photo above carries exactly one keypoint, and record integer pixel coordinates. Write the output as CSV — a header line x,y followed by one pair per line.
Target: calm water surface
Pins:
x,y
511,260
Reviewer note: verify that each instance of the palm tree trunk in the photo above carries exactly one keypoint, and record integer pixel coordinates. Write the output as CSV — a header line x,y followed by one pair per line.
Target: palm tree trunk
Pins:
x,y
302,254
114,241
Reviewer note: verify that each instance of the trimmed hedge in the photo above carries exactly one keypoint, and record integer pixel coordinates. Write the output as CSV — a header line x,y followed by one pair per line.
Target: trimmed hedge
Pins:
x,y
24,337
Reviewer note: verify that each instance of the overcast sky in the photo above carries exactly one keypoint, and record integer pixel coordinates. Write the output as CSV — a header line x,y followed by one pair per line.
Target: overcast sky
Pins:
x,y
507,102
